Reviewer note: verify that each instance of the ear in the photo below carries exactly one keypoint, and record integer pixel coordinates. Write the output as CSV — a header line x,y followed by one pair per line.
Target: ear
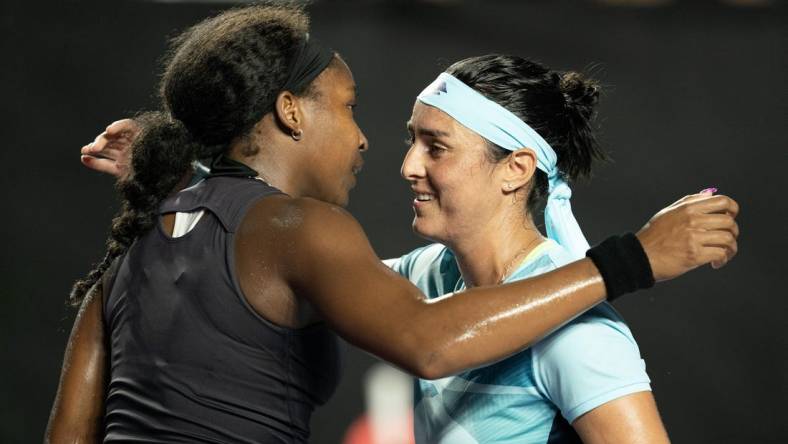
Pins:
x,y
518,170
288,112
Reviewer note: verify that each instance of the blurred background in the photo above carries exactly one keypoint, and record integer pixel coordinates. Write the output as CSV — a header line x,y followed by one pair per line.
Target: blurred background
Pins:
x,y
695,96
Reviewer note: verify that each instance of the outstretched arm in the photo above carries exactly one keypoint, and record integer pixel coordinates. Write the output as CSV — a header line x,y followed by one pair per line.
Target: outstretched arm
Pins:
x,y
78,410
334,266
327,259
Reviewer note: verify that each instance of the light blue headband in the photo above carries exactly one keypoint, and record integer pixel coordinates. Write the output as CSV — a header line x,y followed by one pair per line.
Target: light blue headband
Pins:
x,y
498,125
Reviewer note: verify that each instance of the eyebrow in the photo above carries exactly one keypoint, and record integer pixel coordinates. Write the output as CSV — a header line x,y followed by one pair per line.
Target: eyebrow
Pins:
x,y
430,132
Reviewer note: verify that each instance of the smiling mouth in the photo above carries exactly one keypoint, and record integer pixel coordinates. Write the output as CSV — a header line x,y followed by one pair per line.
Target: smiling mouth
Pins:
x,y
423,197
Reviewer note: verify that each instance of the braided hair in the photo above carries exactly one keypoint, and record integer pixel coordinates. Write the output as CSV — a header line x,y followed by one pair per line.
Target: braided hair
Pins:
x,y
220,78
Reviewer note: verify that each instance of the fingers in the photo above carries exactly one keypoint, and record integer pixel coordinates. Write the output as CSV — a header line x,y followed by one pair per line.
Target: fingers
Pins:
x,y
705,194
716,204
101,150
124,128
718,238
87,149
95,147
110,151
101,144
716,221
716,256
110,147
121,127
714,241
99,164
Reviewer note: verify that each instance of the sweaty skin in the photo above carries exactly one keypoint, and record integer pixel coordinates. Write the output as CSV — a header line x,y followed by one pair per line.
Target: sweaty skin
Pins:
x,y
475,209
326,262
330,266
78,411
320,267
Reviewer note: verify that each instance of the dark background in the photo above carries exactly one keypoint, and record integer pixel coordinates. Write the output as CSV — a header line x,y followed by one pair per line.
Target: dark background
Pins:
x,y
695,97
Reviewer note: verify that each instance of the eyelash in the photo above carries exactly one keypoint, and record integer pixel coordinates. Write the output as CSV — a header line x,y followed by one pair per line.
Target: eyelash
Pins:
x,y
434,150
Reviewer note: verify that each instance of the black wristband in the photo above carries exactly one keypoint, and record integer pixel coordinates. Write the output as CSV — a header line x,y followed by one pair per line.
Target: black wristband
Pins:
x,y
623,264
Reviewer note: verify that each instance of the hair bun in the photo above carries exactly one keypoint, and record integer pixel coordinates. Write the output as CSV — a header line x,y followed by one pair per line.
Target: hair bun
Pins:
x,y
581,94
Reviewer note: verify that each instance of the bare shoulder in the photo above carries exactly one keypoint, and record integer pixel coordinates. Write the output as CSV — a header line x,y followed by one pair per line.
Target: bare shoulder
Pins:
x,y
303,242
302,225
297,217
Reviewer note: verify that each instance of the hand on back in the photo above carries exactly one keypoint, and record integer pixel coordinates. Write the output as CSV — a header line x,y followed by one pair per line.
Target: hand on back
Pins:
x,y
696,230
110,152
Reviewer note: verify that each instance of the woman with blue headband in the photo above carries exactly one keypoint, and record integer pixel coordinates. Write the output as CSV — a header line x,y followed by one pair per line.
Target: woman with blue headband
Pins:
x,y
493,140
212,316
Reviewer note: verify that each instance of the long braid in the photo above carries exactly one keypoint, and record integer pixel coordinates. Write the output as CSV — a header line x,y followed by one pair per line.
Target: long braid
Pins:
x,y
161,155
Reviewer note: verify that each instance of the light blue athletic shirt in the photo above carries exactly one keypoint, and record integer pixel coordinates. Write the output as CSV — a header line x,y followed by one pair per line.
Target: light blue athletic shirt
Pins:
x,y
533,396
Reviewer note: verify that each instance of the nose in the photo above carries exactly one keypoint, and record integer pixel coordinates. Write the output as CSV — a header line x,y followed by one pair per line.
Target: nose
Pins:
x,y
363,143
412,165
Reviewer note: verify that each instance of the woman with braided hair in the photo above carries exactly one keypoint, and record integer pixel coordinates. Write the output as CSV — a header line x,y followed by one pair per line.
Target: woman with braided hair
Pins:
x,y
211,318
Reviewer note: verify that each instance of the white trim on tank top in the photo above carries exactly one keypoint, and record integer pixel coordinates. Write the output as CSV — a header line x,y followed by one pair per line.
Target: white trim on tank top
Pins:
x,y
185,222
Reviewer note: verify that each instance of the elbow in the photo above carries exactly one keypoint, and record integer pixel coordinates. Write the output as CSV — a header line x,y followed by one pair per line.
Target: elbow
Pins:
x,y
431,366
425,366
423,347
424,358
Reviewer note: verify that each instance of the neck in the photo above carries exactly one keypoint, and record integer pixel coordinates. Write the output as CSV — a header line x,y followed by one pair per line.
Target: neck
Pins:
x,y
488,256
265,151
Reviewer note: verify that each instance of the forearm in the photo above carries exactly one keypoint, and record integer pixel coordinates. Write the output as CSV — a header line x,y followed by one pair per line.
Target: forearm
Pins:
x,y
77,417
377,310
78,410
489,324
439,337
65,434
486,324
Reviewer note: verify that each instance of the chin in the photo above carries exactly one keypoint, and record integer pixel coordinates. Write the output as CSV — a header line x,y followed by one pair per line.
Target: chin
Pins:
x,y
426,230
343,199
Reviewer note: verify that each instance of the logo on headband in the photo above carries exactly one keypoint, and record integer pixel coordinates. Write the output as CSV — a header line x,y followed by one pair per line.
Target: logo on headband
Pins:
x,y
435,88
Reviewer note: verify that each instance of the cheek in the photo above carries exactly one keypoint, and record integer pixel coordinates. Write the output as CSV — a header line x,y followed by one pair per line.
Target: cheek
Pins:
x,y
468,200
332,146
460,185
342,137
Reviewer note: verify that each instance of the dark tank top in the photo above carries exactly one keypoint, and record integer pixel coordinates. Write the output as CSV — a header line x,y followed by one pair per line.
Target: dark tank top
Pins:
x,y
190,359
